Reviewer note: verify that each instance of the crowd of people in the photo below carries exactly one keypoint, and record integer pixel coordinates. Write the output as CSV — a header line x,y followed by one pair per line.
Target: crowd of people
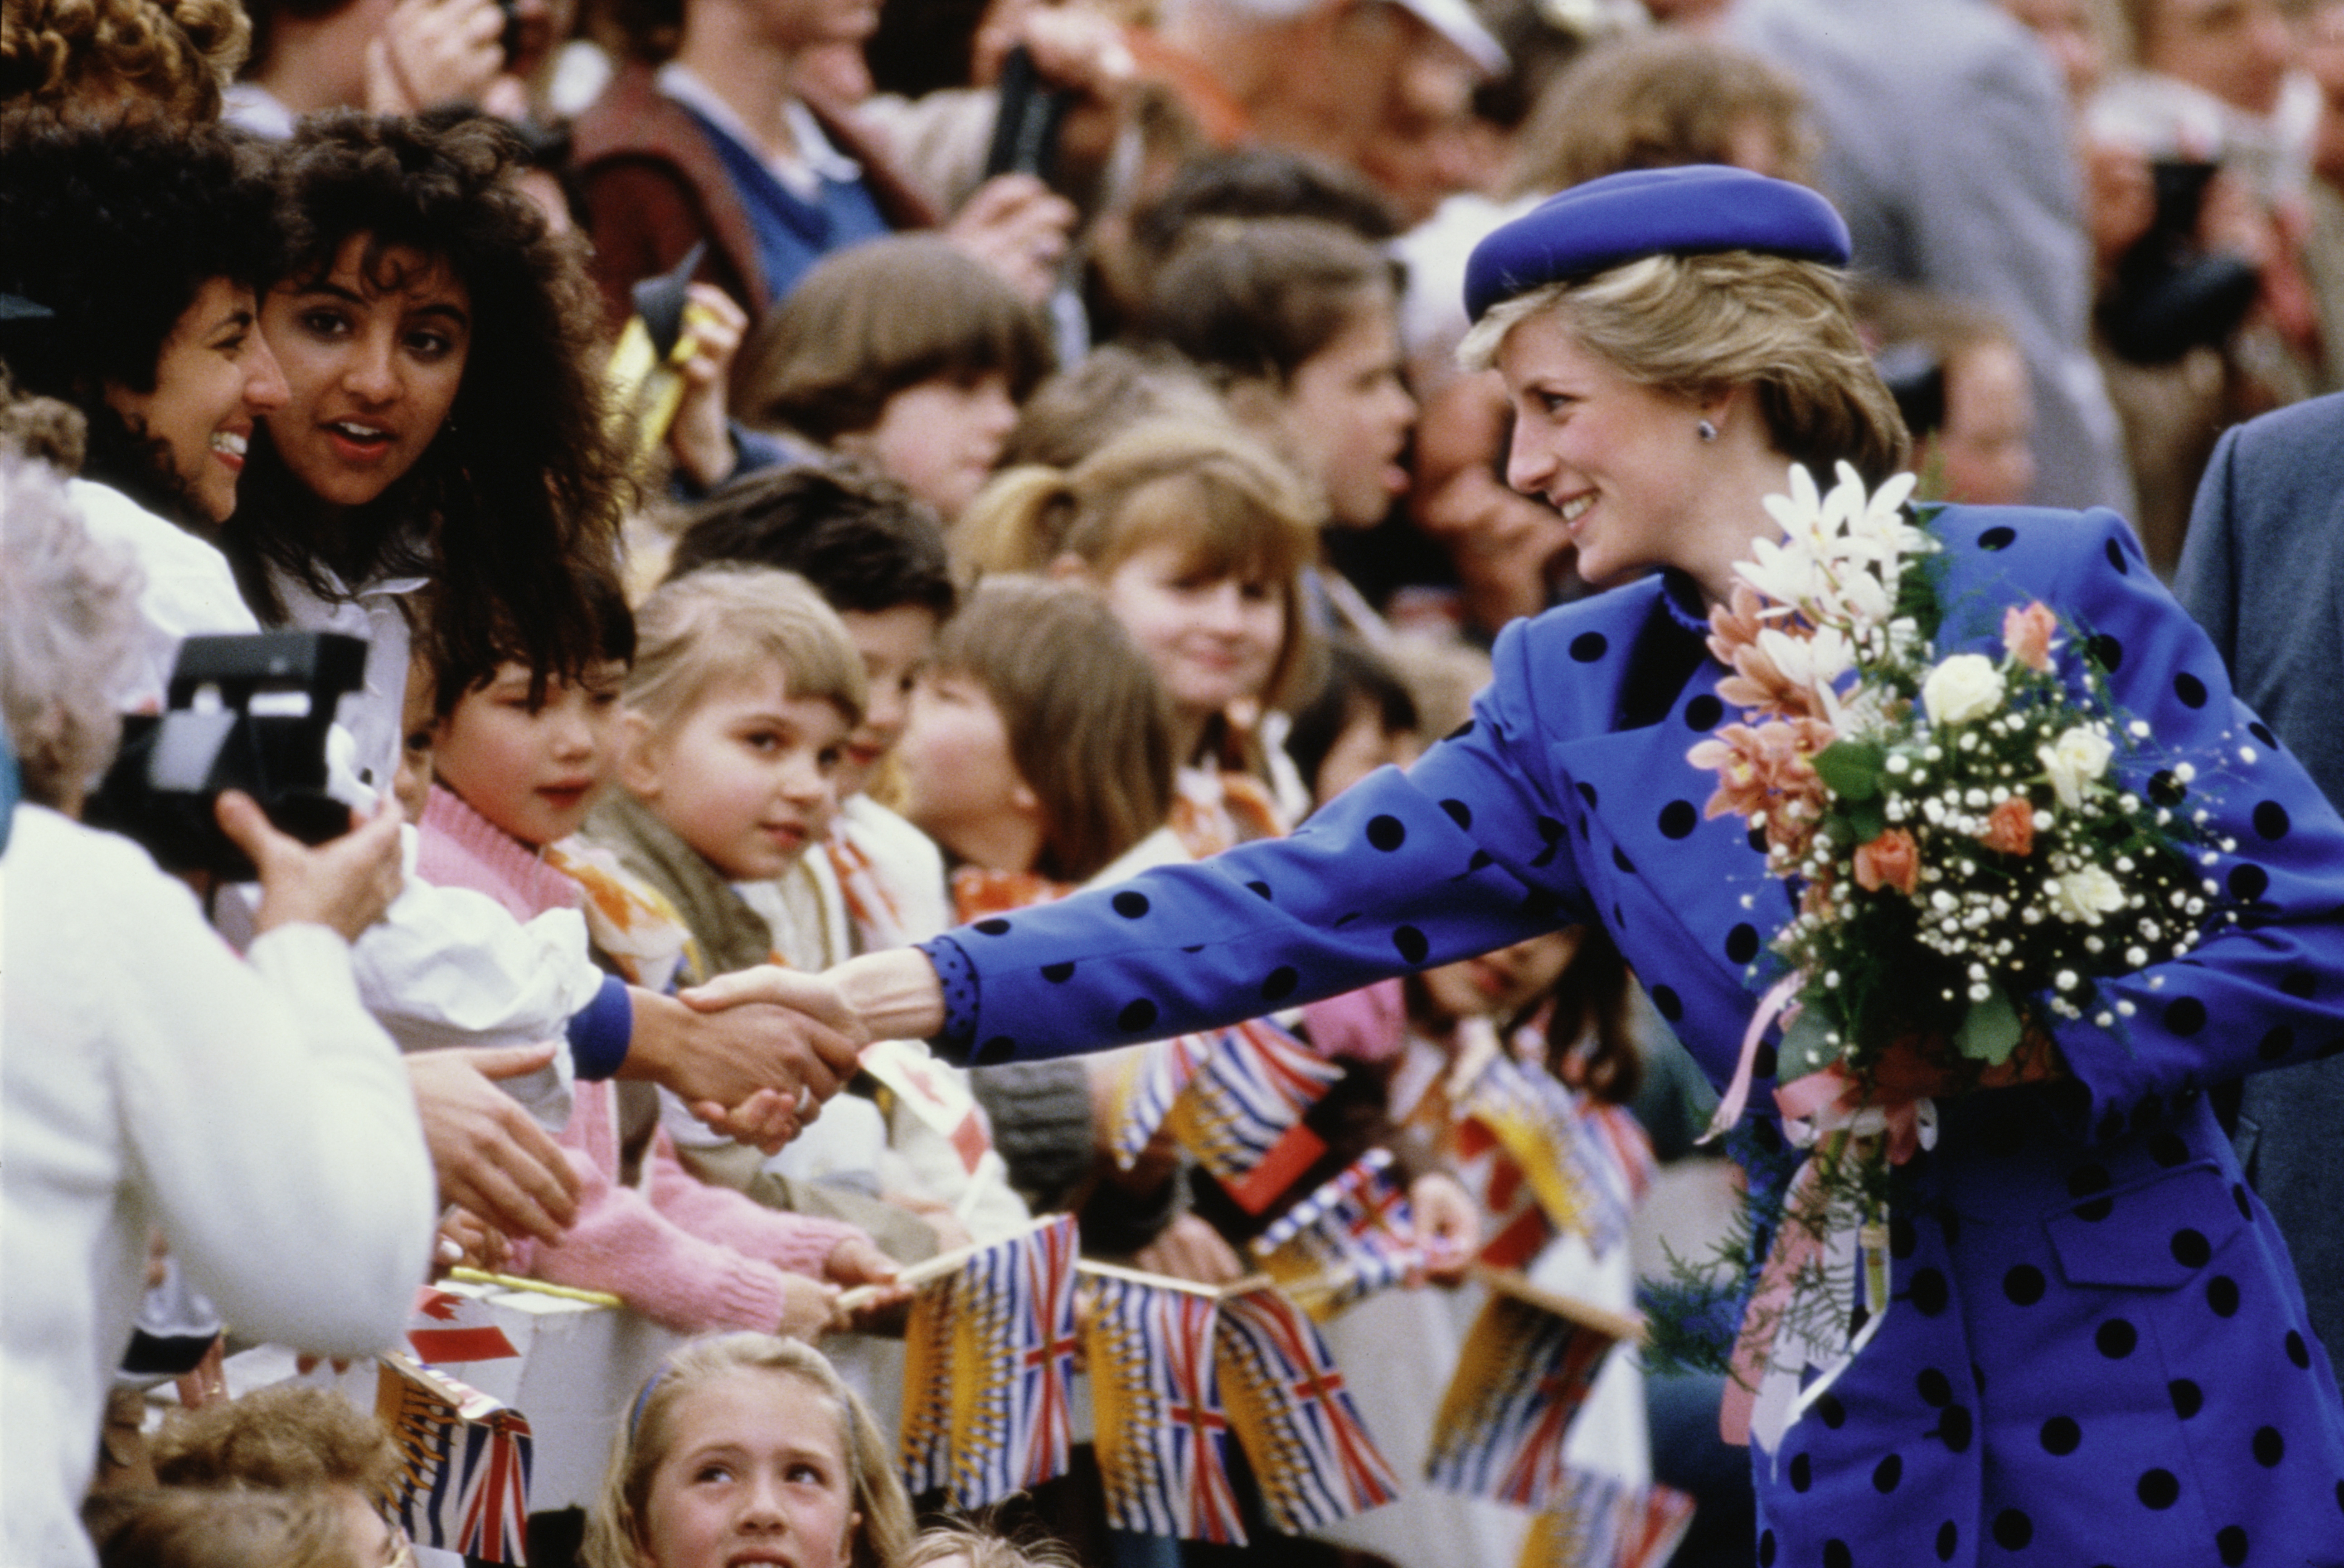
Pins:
x,y
1085,438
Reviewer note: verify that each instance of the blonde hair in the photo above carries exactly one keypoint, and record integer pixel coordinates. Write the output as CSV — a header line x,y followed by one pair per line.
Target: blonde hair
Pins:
x,y
68,634
982,1549
727,621
1207,488
614,1525
196,1527
1698,326
1096,751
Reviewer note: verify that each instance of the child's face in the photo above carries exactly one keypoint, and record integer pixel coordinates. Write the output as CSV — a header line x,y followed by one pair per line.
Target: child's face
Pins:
x,y
746,776
1498,984
532,770
894,645
1364,746
1211,640
1347,417
756,1472
941,438
960,781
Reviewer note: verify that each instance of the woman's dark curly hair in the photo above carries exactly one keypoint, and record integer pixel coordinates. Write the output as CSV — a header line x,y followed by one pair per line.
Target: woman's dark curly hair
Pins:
x,y
524,482
114,229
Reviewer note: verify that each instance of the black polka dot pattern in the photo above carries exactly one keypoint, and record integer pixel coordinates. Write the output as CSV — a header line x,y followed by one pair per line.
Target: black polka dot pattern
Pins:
x,y
1887,1473
2248,883
2107,651
2230,1541
1997,537
1667,1004
2190,690
2012,1530
2272,820
2165,789
1803,1473
2191,1249
1131,905
2024,1285
2185,1015
2158,1489
1678,819
1742,943
2061,1436
996,926
1386,833
1949,1540
1589,646
1930,1294
2187,1398
1704,712
2297,1351
997,1049
1936,1391
2116,558
1412,944
1058,973
1135,1016
2117,1338
1460,813
1279,983
2222,1295
1837,1555
2269,1447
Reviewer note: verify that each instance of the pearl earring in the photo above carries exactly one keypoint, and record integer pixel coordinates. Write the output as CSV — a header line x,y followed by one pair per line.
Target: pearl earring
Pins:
x,y
1706,430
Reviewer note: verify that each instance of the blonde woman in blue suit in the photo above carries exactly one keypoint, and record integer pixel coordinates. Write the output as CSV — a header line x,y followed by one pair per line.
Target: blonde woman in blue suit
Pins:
x,y
2096,1351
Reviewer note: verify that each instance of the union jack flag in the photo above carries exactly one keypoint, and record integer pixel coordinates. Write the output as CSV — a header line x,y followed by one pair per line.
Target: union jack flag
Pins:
x,y
1521,1376
1244,1101
464,1462
1352,1238
1163,1436
1534,1119
1311,1452
989,1370
1603,1522
1151,1086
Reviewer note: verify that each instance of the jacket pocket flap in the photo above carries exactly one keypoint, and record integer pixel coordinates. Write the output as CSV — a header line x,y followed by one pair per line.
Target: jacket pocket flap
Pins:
x,y
2152,1235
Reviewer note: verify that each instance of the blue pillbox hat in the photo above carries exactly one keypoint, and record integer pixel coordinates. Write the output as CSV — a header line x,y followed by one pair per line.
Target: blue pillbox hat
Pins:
x,y
1693,210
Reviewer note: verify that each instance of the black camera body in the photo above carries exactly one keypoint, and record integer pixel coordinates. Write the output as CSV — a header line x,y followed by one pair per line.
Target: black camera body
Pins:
x,y
246,712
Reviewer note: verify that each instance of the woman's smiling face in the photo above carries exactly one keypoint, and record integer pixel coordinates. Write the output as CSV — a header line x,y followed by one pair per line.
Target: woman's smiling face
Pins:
x,y
214,376
373,357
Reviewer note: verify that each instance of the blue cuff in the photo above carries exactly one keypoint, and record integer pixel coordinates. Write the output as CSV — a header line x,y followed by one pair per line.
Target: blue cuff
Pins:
x,y
957,1038
600,1035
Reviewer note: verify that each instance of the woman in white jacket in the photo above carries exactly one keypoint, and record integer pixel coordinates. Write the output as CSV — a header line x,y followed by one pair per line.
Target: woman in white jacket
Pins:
x,y
249,1110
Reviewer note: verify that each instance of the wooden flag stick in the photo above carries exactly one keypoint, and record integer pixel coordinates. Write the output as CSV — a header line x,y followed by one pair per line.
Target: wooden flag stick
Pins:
x,y
1622,1326
542,1288
1167,1282
913,1276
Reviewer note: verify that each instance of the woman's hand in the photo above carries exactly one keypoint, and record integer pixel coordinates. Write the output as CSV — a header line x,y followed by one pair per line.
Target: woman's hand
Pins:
x,y
1189,1249
490,1155
754,1053
344,884
1447,1226
700,437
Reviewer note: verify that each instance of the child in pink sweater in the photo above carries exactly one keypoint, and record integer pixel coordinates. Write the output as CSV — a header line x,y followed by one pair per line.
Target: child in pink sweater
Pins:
x,y
519,759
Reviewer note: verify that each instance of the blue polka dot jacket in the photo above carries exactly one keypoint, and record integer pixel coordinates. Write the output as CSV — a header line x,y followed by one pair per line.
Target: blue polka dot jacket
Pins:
x,y
2096,1351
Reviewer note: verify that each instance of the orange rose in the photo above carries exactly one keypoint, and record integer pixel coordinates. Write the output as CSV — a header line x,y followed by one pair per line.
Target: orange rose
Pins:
x,y
2010,827
1890,860
2026,631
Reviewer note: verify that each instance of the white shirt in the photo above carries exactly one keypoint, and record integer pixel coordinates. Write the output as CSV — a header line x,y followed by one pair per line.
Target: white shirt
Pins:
x,y
189,591
148,1077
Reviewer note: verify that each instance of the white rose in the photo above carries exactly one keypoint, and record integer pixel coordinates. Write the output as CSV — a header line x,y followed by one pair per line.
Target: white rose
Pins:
x,y
2085,896
2077,758
1964,687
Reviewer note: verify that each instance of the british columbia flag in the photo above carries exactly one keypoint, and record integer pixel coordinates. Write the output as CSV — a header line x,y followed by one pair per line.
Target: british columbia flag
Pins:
x,y
464,1462
1163,1436
1521,1376
1603,1522
1286,1397
1350,1239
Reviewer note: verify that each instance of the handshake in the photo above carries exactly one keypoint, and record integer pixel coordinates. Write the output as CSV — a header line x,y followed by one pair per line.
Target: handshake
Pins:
x,y
754,1053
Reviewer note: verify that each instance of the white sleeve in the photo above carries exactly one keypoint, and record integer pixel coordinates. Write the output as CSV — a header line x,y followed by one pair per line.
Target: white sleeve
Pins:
x,y
270,1124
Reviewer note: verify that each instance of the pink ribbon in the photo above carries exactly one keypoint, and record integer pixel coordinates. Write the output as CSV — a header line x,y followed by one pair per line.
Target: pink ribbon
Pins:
x,y
1795,1246
1778,1002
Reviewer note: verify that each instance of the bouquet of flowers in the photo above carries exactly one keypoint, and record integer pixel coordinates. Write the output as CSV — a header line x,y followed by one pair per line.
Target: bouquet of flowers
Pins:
x,y
1964,866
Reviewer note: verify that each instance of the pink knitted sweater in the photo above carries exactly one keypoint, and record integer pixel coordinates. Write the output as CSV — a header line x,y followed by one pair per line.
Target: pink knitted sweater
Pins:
x,y
689,1256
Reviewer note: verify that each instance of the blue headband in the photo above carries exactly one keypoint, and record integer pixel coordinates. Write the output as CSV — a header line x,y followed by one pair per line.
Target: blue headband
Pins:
x,y
1696,210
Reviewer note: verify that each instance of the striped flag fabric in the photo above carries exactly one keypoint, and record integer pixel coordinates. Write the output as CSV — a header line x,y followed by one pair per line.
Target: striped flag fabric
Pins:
x,y
1352,1238
1523,1374
1151,1085
1244,1105
1603,1522
1533,1119
1163,1436
464,1461
1311,1452
988,1374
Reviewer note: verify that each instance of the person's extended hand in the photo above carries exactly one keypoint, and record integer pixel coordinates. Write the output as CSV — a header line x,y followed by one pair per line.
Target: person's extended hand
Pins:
x,y
468,1240
1447,1226
1189,1249
490,1157
759,1030
344,884
699,437
432,52
857,1261
1016,225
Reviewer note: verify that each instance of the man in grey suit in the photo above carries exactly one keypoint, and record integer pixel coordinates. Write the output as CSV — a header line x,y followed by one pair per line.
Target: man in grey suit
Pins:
x,y
1946,148
2263,572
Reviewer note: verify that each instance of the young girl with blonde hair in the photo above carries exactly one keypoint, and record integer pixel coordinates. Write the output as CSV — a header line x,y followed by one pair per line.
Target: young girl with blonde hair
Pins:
x,y
744,1444
1196,537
